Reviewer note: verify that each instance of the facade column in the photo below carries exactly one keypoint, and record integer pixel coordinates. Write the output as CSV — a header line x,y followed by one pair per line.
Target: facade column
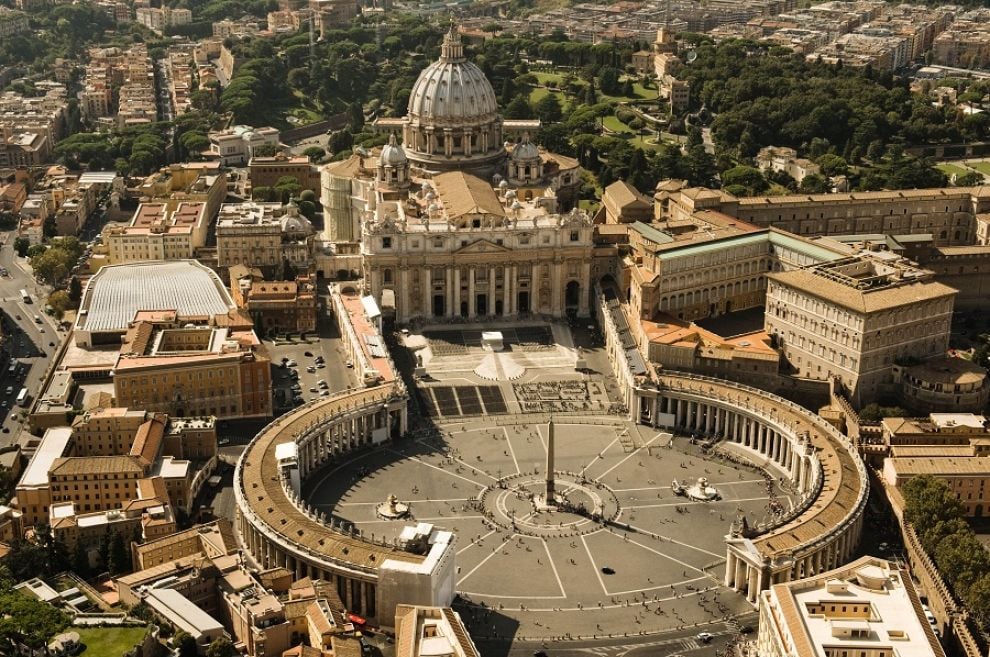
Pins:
x,y
404,296
449,292
427,291
472,296
534,288
457,291
730,567
556,307
490,306
585,288
508,277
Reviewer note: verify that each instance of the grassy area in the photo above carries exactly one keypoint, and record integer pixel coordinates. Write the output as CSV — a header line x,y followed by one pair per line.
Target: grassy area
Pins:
x,y
951,169
546,78
537,94
589,206
612,123
982,167
109,641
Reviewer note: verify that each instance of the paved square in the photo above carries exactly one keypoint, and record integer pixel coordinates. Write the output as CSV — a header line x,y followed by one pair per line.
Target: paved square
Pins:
x,y
653,561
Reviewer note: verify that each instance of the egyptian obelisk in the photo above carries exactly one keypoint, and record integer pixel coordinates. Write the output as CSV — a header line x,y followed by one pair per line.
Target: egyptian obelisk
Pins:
x,y
550,447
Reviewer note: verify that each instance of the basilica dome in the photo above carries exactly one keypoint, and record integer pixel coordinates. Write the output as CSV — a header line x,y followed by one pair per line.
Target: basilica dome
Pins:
x,y
452,89
453,122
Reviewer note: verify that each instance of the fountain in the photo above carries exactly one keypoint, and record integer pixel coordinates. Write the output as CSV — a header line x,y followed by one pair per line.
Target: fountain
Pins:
x,y
701,491
393,509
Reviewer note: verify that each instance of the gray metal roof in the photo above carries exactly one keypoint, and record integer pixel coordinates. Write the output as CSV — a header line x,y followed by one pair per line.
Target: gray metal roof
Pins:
x,y
116,292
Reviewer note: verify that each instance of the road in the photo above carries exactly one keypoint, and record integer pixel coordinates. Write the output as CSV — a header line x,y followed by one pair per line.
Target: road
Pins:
x,y
683,642
30,343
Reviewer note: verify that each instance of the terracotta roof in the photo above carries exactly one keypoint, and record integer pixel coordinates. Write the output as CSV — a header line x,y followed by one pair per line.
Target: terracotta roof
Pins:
x,y
148,440
267,499
625,195
95,465
463,194
861,301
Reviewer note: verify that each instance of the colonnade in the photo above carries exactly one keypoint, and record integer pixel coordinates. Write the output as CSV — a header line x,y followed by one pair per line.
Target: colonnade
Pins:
x,y
775,434
321,433
790,454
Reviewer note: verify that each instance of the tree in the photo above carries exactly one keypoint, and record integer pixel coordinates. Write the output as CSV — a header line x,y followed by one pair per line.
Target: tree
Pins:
x,y
21,246
928,500
75,291
356,116
60,302
969,179
286,187
314,153
340,140
80,559
7,483
185,643
749,178
120,561
548,109
518,109
52,266
220,647
608,81
814,184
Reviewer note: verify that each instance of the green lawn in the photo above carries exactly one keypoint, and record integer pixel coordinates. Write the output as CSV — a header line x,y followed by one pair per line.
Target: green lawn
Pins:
x,y
951,169
612,123
546,78
109,641
537,94
982,167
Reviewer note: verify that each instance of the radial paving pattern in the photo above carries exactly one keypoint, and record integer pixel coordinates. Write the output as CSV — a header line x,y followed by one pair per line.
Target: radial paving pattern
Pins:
x,y
629,556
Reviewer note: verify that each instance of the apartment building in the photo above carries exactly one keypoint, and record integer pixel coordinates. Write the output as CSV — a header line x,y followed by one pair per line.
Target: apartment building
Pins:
x,y
237,145
968,476
187,367
12,22
115,459
966,42
158,232
422,631
264,236
867,607
853,319
266,171
200,182
159,18
948,214
275,306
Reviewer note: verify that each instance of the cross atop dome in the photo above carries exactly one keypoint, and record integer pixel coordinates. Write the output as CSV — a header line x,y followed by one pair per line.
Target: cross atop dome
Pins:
x,y
452,49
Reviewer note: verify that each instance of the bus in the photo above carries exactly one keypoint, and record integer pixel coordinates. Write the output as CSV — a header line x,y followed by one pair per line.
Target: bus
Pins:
x,y
22,397
25,296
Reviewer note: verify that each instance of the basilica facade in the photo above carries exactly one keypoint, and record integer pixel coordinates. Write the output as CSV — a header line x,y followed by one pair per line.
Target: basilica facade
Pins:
x,y
453,222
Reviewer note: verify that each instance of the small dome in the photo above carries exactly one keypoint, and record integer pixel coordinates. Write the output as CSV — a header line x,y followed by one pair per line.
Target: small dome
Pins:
x,y
525,151
503,184
392,154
